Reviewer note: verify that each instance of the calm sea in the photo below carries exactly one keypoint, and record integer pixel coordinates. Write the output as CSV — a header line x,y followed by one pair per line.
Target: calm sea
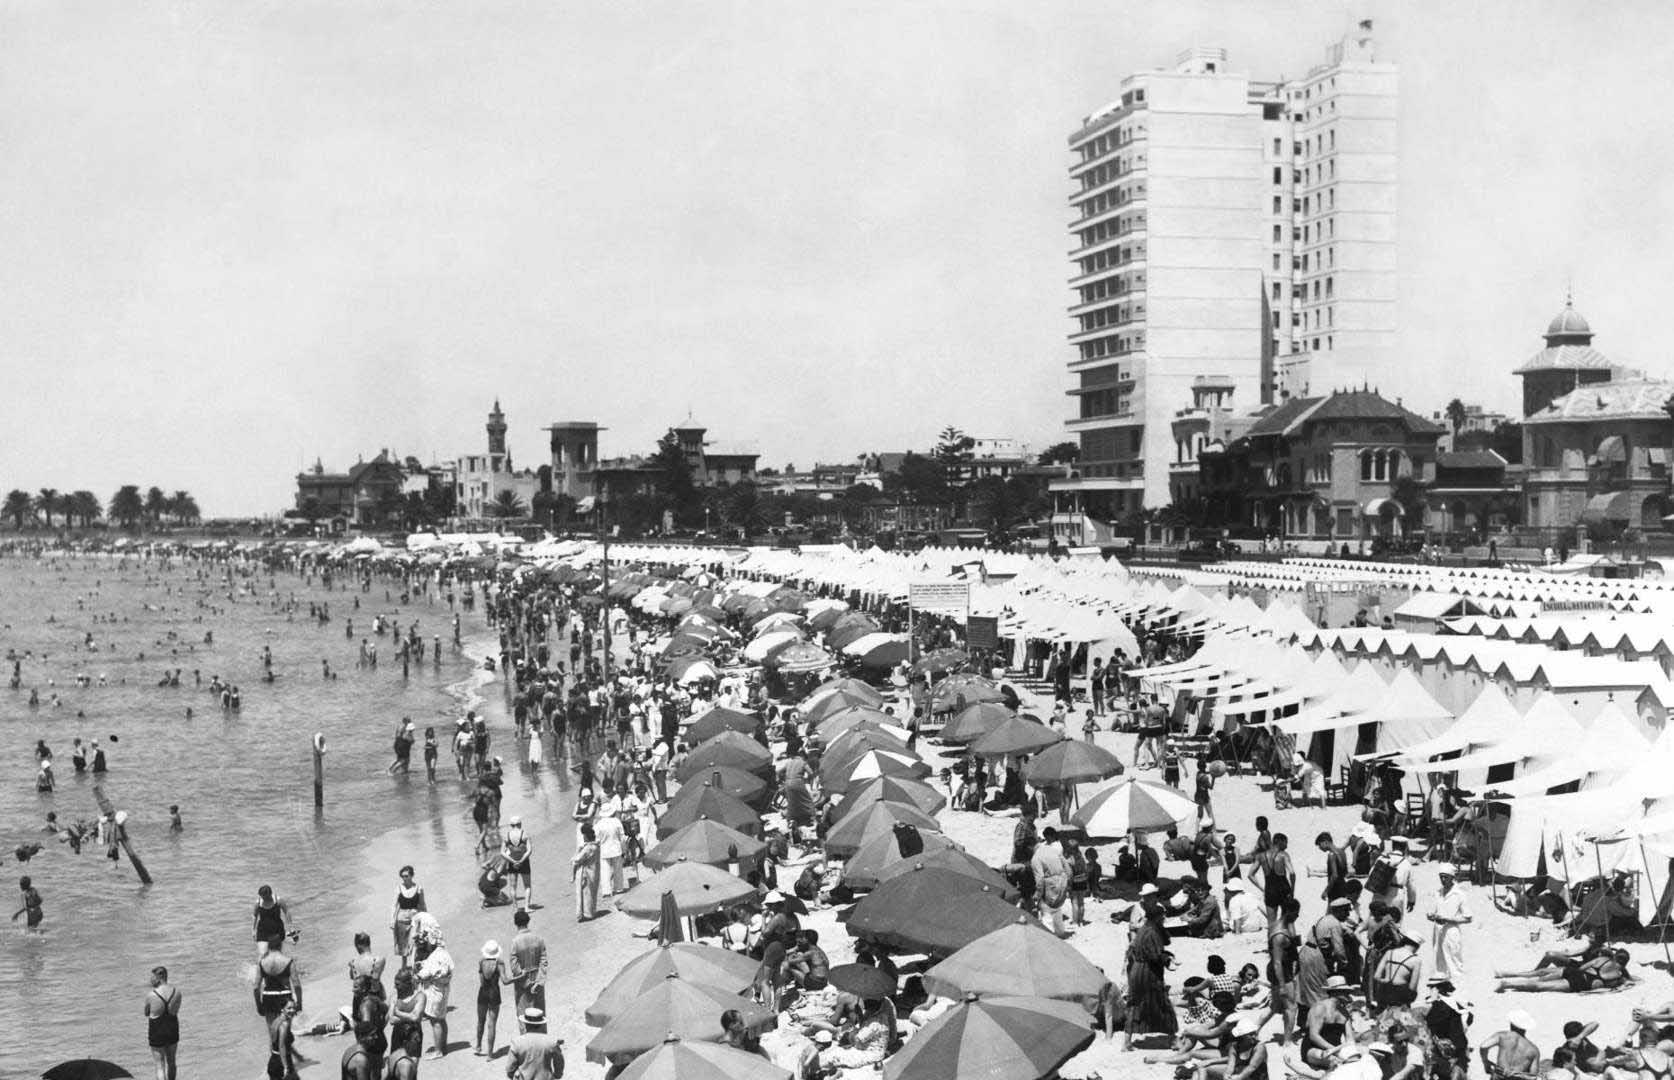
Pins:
x,y
243,781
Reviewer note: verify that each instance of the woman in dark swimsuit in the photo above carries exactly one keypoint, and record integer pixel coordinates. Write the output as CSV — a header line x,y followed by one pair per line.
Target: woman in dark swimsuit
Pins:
x,y
269,918
276,984
409,901
281,1045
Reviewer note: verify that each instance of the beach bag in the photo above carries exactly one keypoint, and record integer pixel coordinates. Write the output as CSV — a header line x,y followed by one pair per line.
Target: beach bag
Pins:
x,y
1382,876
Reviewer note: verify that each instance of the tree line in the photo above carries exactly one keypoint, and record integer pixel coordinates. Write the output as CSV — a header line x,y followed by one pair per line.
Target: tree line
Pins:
x,y
129,508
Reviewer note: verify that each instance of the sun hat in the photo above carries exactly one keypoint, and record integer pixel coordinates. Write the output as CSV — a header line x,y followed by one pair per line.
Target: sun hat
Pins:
x,y
1245,1026
1236,885
1380,1049
1336,984
491,950
1340,901
1520,1020
823,1038
1148,889
515,819
532,1015
774,897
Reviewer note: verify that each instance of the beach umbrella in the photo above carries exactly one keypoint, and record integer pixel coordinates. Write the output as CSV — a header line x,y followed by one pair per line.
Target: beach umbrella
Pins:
x,y
1016,735
676,1007
760,648
1133,805
865,643
838,701
892,789
860,736
741,784
974,721
932,910
997,1038
959,691
832,733
881,853
878,819
869,766
886,654
842,635
839,711
678,1059
717,720
704,841
824,618
799,658
697,889
86,1069
728,748
960,862
1017,959
779,620
941,661
856,687
705,965
1071,761
862,980
690,669
696,802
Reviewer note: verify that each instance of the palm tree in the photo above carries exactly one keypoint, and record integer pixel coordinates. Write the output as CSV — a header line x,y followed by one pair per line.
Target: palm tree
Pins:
x,y
507,505
1456,414
17,507
47,503
127,506
84,505
184,507
156,504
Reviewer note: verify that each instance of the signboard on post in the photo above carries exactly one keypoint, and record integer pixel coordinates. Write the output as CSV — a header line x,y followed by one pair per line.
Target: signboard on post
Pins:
x,y
982,632
940,597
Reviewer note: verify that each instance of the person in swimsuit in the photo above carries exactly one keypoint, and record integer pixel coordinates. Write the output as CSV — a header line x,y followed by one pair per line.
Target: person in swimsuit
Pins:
x,y
409,901
492,973
408,1012
1246,1055
270,918
276,980
515,849
31,904
358,1063
281,1045
162,1022
365,966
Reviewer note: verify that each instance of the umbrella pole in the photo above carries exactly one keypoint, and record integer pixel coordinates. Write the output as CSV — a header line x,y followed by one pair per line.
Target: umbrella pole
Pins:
x,y
1662,924
1598,859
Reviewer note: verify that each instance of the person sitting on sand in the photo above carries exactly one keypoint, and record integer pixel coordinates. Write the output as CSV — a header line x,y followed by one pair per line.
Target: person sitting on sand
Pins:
x,y
1510,1053
1206,1022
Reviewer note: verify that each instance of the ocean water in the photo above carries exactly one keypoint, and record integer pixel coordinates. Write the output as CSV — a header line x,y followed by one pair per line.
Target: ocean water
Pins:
x,y
243,781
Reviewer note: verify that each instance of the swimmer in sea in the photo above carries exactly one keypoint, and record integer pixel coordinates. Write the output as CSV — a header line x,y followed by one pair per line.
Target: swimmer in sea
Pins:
x,y
175,824
31,904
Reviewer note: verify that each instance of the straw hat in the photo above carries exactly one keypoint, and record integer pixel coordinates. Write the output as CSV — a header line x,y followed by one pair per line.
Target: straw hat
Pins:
x,y
1235,885
1246,1026
1520,1020
491,950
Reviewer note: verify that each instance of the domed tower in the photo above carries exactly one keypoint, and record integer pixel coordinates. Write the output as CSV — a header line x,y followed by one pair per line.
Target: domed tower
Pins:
x,y
496,434
1568,361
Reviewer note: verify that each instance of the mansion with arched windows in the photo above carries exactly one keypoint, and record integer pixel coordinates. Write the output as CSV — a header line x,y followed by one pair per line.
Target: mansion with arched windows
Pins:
x,y
1325,468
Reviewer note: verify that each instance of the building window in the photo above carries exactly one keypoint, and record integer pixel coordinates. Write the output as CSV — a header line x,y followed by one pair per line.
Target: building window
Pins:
x,y
1278,147
1278,234
1278,205
1278,293
1278,176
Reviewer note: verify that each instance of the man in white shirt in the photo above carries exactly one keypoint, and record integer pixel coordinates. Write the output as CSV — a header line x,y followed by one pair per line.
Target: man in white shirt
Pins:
x,y
1244,913
1052,876
607,830
1450,918
1397,890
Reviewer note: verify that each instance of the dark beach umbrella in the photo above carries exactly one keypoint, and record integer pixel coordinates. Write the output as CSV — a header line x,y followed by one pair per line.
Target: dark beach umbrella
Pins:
x,y
85,1069
739,783
1071,761
879,819
873,860
717,720
676,1007
706,801
960,862
705,965
959,691
862,980
681,1059
704,841
869,766
997,1038
931,911
847,685
840,702
728,748
1016,735
941,661
892,789
974,721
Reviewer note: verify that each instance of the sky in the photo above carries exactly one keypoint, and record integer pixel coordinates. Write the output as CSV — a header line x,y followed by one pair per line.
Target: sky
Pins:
x,y
240,235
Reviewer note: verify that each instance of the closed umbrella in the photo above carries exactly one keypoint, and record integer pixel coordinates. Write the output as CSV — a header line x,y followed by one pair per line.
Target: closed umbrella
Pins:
x,y
879,819
705,841
668,922
694,802
1133,806
679,1059
676,1007
702,964
974,721
892,789
1017,735
717,720
697,889
931,911
1017,959
997,1038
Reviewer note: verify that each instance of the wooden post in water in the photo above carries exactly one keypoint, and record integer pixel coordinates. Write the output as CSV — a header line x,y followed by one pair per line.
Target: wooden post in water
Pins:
x,y
119,832
319,770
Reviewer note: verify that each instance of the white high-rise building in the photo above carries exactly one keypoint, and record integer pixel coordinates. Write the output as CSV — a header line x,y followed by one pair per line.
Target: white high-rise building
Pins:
x,y
1224,228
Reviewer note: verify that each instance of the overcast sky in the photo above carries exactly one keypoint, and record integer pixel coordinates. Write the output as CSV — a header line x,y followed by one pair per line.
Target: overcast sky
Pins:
x,y
240,235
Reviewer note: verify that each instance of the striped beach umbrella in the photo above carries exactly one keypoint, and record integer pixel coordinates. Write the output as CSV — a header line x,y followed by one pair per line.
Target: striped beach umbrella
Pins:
x,y
1134,806
997,1038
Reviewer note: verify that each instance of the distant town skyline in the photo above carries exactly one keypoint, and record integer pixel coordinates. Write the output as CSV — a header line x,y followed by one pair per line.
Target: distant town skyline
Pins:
x,y
240,240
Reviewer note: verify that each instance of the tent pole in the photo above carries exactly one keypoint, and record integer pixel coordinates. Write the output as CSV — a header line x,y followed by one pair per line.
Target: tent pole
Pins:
x,y
1662,926
1598,859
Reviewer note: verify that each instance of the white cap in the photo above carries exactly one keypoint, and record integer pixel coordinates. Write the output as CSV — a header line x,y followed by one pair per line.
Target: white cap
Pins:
x,y
1520,1020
